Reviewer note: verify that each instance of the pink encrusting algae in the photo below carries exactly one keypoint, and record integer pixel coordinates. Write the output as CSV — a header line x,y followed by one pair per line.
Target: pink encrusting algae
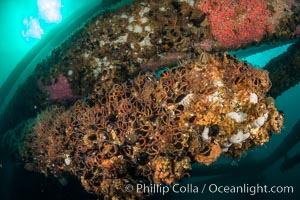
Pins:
x,y
237,23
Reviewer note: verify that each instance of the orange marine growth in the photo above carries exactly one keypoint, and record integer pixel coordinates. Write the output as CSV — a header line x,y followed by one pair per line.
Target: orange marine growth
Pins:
x,y
153,129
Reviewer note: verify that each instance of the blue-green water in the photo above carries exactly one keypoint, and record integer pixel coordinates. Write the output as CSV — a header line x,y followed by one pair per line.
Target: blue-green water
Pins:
x,y
260,59
25,48
13,14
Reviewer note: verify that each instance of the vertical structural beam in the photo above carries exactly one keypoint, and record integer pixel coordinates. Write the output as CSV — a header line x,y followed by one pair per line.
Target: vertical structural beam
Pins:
x,y
284,70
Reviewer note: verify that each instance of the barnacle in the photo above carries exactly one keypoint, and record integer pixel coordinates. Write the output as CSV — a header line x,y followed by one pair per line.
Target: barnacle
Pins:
x,y
209,155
